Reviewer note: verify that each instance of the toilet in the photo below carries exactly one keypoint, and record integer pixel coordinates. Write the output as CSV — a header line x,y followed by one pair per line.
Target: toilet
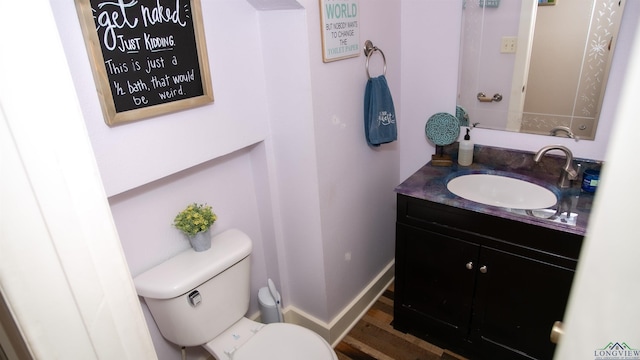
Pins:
x,y
201,298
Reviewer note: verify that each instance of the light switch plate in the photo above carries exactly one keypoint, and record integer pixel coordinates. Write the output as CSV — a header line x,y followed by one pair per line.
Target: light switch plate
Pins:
x,y
508,45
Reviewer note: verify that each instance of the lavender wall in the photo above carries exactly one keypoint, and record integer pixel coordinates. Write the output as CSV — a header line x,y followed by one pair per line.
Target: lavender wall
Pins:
x,y
357,217
151,169
430,38
280,154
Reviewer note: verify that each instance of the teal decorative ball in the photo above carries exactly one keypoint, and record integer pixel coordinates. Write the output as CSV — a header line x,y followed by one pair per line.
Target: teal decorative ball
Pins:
x,y
442,129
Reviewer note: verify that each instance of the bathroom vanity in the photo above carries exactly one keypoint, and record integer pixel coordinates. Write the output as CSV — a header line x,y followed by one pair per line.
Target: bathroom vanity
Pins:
x,y
482,280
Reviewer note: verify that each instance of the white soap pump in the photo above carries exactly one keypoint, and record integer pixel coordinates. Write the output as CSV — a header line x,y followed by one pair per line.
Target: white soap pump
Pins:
x,y
465,151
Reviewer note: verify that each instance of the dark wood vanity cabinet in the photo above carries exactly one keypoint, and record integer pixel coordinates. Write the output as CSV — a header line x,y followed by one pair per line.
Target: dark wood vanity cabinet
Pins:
x,y
488,287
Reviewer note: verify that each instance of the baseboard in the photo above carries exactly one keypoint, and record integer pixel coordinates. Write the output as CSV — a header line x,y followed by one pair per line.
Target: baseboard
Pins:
x,y
340,326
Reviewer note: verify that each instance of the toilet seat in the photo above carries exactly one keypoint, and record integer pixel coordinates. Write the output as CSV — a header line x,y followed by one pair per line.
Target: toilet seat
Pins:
x,y
281,341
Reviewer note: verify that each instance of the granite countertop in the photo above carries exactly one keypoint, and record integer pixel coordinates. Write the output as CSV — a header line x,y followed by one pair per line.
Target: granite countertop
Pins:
x,y
573,206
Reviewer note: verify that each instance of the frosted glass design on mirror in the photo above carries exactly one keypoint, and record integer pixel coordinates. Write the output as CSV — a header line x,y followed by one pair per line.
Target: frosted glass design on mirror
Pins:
x,y
550,64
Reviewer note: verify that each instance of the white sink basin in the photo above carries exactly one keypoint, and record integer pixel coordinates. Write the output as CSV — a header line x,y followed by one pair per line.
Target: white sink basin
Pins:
x,y
502,191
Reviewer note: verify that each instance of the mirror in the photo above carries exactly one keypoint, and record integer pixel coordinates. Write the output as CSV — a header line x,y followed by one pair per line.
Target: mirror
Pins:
x,y
537,68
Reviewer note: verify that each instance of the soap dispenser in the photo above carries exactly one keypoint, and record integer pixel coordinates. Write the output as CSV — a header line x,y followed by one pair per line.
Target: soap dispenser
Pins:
x,y
465,151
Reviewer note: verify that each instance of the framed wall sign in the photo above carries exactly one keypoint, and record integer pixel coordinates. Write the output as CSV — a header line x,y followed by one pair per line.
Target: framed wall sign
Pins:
x,y
148,57
340,29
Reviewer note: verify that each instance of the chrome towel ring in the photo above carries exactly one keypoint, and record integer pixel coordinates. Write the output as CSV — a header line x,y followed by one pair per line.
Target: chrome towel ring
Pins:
x,y
369,49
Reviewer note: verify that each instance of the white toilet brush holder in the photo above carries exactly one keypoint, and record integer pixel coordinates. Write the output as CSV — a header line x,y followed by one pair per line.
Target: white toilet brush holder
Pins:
x,y
269,302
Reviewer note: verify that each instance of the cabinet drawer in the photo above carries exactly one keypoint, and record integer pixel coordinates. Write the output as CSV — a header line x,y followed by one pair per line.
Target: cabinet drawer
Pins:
x,y
489,230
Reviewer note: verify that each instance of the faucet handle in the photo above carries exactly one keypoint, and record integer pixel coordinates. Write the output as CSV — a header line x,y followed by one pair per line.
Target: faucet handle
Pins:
x,y
568,172
572,173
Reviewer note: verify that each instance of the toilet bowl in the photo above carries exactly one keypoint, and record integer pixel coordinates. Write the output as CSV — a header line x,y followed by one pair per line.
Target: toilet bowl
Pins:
x,y
201,298
250,340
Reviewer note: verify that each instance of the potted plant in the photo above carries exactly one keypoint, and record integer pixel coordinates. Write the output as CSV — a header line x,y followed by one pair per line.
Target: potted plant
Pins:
x,y
195,222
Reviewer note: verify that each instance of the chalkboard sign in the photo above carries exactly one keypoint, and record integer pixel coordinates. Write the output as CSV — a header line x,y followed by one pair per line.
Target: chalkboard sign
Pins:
x,y
148,56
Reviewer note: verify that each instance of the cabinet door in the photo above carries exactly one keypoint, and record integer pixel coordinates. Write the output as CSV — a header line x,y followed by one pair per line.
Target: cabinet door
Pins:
x,y
517,301
435,276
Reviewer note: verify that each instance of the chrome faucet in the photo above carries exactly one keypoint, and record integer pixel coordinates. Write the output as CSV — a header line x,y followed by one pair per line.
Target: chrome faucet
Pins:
x,y
568,173
565,129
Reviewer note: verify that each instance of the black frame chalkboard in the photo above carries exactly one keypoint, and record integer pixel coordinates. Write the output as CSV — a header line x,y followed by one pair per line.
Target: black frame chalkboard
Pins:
x,y
148,57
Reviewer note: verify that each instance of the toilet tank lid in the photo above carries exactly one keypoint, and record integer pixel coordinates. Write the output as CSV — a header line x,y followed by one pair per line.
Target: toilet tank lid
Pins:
x,y
189,269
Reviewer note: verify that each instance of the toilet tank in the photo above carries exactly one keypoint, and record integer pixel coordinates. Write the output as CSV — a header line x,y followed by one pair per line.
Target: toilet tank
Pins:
x,y
195,296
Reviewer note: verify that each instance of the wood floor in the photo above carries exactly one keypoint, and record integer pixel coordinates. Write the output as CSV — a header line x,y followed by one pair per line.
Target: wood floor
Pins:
x,y
373,338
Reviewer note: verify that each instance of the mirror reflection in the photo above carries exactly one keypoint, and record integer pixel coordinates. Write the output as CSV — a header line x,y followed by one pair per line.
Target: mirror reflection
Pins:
x,y
536,68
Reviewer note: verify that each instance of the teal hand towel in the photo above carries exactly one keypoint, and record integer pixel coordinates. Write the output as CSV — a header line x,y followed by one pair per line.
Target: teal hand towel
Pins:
x,y
379,113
